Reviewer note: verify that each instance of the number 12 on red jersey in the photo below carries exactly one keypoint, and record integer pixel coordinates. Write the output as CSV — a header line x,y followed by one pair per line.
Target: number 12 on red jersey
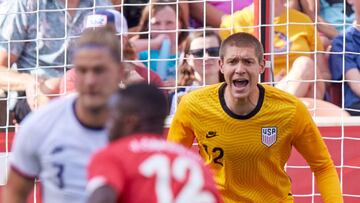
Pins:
x,y
159,165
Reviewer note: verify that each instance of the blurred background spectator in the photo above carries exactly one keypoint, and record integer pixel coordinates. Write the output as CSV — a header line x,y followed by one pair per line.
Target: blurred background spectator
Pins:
x,y
132,13
165,38
36,44
201,56
348,54
329,14
135,71
200,65
214,11
132,10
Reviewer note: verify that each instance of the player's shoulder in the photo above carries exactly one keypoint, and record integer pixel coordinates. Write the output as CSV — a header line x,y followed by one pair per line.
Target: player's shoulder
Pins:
x,y
116,149
133,150
50,113
150,144
41,124
280,104
277,96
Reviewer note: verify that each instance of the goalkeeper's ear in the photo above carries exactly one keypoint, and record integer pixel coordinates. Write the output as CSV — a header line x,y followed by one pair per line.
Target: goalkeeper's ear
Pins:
x,y
262,66
221,63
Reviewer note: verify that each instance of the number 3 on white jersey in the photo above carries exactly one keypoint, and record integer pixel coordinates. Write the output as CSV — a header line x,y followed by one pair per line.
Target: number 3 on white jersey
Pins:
x,y
160,166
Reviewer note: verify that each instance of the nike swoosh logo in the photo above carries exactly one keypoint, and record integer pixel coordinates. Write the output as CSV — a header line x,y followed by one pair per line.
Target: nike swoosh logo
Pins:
x,y
211,135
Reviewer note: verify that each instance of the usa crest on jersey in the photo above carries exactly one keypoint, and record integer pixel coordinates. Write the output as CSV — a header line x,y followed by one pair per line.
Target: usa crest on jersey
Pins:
x,y
268,135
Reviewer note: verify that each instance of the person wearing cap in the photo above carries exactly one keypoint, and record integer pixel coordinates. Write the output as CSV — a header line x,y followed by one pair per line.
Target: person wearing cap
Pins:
x,y
136,71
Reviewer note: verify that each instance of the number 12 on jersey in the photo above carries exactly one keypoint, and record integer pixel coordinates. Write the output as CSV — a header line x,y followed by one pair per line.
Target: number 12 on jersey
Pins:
x,y
160,165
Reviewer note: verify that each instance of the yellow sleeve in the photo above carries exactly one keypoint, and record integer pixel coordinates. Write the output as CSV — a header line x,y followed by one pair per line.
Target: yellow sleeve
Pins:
x,y
240,21
181,130
225,27
308,141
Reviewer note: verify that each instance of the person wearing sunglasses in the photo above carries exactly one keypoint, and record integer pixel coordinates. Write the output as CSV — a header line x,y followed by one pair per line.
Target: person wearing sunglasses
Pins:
x,y
200,65
201,54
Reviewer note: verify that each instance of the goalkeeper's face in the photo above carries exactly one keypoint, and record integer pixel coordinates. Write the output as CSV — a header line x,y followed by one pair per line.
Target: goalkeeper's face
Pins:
x,y
241,69
97,77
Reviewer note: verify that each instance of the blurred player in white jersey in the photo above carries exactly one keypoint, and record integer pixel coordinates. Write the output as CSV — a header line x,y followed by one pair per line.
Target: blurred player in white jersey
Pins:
x,y
139,165
55,143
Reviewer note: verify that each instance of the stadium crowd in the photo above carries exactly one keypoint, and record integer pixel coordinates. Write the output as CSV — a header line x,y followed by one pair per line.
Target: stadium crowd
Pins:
x,y
62,50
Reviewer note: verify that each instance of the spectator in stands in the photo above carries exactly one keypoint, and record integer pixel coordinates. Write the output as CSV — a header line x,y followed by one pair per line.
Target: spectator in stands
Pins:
x,y
245,130
55,142
214,11
201,54
132,13
34,37
137,72
136,126
329,14
133,8
349,53
134,71
289,68
333,11
165,38
200,59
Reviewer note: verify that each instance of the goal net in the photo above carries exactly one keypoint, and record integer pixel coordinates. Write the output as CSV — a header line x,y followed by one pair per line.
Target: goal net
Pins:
x,y
163,56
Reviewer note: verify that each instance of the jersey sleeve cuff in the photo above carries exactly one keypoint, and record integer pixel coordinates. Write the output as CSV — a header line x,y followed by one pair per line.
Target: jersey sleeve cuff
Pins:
x,y
22,173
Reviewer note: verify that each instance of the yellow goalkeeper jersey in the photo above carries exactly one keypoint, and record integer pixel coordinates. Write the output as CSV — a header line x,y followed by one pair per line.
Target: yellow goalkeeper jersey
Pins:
x,y
248,153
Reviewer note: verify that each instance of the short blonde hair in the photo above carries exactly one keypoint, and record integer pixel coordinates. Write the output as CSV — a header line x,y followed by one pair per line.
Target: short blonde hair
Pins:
x,y
102,37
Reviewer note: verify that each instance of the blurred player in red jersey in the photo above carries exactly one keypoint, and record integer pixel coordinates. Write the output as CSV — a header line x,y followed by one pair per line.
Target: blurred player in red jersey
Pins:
x,y
139,165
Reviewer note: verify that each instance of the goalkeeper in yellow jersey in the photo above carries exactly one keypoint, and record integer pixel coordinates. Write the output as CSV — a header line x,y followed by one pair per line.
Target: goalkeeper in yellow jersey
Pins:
x,y
246,130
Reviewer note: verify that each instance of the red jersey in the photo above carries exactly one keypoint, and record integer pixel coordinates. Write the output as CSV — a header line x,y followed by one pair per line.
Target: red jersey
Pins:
x,y
146,168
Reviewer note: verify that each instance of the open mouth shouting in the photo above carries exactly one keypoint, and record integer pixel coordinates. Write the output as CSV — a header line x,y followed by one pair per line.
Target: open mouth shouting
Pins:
x,y
240,83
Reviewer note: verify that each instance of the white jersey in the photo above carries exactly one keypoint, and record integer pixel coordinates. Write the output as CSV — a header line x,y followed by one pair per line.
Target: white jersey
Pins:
x,y
53,145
